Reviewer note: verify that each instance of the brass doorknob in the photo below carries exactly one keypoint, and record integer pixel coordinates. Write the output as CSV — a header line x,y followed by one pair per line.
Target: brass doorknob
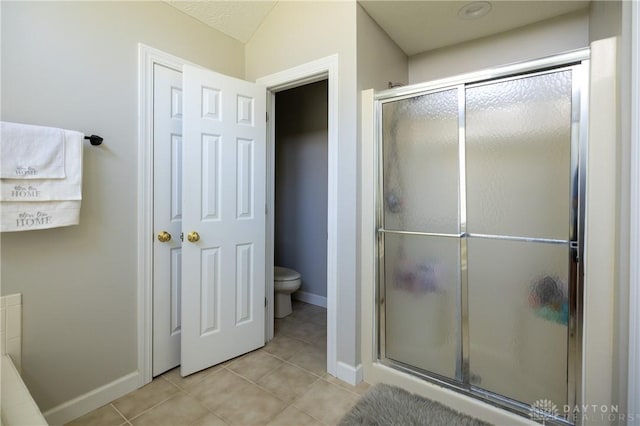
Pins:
x,y
164,236
193,237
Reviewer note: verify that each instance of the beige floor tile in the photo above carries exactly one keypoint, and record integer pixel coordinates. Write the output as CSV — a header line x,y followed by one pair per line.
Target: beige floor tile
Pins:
x,y
255,365
180,409
298,305
321,344
309,313
291,416
186,382
311,358
360,388
209,419
303,307
227,362
287,382
319,318
176,400
308,332
326,402
284,347
103,416
283,326
217,387
253,406
146,397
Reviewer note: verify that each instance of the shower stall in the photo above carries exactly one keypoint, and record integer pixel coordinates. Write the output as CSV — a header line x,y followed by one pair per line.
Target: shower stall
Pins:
x,y
480,207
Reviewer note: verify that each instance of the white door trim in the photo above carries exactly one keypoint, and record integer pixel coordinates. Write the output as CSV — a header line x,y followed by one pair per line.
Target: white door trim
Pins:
x,y
633,393
321,69
147,58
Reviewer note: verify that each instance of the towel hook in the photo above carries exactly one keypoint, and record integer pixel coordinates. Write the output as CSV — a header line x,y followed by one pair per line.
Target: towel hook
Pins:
x,y
94,139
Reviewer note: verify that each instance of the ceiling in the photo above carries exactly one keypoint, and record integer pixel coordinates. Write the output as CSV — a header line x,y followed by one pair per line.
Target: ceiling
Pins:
x,y
416,26
236,18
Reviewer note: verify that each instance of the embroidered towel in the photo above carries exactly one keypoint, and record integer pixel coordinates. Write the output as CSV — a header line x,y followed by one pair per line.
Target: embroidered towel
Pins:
x,y
31,152
69,188
38,215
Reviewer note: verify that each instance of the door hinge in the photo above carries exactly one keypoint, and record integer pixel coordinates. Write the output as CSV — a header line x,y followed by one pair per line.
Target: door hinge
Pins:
x,y
265,302
267,113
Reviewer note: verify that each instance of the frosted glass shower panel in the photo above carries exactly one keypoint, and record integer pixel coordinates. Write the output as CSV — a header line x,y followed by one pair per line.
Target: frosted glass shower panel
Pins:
x,y
518,149
518,316
420,163
421,301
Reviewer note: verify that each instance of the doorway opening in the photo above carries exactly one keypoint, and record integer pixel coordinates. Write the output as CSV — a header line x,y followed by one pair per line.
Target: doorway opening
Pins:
x,y
300,213
325,69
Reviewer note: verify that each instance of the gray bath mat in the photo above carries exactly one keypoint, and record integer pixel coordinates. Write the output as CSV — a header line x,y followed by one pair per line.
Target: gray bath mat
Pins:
x,y
384,405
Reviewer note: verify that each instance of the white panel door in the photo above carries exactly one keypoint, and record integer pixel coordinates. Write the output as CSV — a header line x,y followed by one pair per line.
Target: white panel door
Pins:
x,y
167,217
224,185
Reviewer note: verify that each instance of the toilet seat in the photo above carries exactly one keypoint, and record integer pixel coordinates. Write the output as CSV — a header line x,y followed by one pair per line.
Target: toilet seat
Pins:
x,y
285,274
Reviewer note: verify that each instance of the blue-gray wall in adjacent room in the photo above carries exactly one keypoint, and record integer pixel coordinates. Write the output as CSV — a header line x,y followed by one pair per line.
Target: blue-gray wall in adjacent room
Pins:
x,y
301,184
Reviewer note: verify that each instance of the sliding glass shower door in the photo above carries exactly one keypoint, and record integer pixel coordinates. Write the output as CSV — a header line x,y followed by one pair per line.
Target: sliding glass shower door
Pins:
x,y
518,140
479,234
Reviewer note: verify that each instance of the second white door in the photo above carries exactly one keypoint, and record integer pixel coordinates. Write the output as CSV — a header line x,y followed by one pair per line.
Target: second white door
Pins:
x,y
167,217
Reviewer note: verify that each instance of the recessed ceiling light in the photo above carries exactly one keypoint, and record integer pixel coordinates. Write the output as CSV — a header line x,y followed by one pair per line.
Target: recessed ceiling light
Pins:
x,y
474,10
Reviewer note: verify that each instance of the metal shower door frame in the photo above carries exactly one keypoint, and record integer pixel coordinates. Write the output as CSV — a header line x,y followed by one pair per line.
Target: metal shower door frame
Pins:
x,y
578,63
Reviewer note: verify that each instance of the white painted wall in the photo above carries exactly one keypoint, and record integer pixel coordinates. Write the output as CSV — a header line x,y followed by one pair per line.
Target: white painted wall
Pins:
x,y
295,33
561,34
600,237
606,20
301,176
631,44
74,65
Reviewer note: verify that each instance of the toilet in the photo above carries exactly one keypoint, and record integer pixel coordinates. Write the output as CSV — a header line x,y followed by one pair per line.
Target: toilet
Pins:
x,y
285,282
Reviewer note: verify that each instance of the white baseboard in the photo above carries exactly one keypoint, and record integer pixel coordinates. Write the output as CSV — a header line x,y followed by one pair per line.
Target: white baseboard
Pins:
x,y
96,398
349,374
310,298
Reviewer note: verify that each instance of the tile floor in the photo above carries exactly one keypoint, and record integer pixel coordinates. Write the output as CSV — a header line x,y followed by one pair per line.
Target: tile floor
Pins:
x,y
283,383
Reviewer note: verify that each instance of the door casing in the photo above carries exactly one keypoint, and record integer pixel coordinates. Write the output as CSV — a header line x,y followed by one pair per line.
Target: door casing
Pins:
x,y
322,69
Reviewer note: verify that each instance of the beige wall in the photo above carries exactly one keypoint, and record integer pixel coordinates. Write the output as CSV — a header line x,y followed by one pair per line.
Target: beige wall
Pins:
x,y
74,65
380,61
561,34
295,33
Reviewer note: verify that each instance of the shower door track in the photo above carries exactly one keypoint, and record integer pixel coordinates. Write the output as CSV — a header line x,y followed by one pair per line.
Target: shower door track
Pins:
x,y
578,62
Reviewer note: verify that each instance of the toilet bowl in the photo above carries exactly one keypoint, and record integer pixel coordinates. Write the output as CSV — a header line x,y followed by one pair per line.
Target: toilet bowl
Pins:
x,y
285,282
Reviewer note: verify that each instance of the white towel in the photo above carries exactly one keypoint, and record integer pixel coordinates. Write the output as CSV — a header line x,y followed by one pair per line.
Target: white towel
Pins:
x,y
69,188
31,152
38,215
